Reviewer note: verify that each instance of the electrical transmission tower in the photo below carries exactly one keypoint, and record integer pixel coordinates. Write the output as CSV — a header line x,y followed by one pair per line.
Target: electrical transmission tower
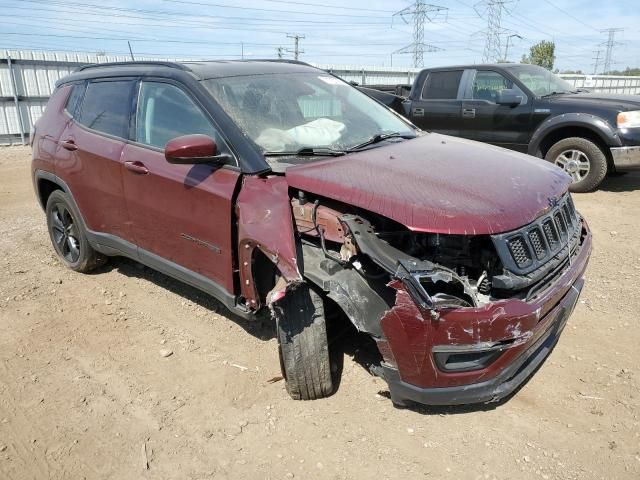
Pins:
x,y
421,13
493,10
296,45
610,44
596,59
280,51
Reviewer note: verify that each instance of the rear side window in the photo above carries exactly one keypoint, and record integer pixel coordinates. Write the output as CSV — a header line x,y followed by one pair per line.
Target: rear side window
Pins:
x,y
106,107
74,99
442,85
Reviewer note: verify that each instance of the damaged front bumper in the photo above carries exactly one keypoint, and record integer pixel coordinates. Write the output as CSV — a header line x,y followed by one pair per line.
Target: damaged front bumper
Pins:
x,y
493,348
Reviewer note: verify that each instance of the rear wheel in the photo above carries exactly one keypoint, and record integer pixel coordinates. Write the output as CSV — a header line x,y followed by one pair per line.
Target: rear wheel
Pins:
x,y
68,236
303,344
582,159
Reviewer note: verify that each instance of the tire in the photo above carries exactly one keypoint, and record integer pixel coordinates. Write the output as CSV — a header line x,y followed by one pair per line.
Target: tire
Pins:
x,y
303,344
68,235
582,159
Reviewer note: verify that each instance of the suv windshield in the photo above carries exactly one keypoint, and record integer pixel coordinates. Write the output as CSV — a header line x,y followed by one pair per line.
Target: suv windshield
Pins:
x,y
540,81
304,113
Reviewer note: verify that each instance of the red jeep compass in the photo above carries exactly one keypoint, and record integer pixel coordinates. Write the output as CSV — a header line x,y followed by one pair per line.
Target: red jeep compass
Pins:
x,y
276,185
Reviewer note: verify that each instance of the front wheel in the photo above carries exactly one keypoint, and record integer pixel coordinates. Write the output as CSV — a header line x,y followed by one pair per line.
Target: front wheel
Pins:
x,y
582,159
303,344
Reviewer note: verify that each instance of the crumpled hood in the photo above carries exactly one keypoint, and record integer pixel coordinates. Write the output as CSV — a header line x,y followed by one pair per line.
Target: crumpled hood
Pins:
x,y
439,184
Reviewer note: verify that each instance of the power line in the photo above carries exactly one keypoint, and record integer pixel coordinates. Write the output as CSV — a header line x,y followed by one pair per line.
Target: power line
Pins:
x,y
571,16
421,12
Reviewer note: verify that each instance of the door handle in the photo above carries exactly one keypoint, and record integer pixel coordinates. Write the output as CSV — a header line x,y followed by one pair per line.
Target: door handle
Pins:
x,y
69,145
469,112
136,167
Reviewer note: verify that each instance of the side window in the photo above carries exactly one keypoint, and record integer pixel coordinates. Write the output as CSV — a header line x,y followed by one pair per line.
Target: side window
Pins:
x,y
442,85
106,107
166,112
74,99
487,85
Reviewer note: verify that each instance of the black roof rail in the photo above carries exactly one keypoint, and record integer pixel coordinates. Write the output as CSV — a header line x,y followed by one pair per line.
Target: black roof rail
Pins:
x,y
141,62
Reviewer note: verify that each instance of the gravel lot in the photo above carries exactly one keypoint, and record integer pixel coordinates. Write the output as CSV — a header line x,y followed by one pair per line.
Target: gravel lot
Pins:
x,y
86,393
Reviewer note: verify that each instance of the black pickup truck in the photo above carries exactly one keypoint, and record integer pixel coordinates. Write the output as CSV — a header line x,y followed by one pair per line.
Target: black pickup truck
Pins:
x,y
529,109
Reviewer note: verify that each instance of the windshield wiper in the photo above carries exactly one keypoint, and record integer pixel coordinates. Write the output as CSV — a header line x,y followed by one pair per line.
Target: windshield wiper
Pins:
x,y
308,152
380,137
554,93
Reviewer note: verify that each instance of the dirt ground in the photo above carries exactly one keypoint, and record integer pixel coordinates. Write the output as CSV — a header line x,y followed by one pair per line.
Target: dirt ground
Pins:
x,y
86,393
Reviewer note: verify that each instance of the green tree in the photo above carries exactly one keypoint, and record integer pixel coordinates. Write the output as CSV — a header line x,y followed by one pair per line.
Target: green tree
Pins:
x,y
542,54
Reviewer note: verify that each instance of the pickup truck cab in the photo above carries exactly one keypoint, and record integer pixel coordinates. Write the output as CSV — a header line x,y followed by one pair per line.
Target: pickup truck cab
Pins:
x,y
531,110
276,186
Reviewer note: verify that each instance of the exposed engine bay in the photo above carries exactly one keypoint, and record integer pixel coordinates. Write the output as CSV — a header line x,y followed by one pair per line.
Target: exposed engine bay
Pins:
x,y
439,270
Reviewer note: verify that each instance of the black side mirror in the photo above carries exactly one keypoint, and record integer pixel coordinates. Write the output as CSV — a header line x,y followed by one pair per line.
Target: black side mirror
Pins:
x,y
508,97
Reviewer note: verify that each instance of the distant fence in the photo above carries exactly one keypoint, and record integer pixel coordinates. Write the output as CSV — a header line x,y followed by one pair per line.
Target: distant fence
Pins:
x,y
27,78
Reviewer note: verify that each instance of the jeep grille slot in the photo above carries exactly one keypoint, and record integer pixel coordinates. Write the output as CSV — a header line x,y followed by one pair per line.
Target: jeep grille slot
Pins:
x,y
539,248
520,251
551,234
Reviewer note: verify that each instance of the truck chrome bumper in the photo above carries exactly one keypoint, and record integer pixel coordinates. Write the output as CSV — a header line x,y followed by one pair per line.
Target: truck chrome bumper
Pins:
x,y
624,157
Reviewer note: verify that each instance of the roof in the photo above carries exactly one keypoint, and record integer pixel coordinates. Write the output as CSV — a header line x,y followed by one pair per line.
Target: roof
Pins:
x,y
482,65
201,69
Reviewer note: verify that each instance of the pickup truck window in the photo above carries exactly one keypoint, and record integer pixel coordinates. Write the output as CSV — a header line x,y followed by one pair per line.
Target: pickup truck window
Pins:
x,y
487,84
540,81
284,113
442,85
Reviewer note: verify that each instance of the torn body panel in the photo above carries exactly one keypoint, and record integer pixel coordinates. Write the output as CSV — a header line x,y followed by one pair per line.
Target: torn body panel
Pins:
x,y
263,210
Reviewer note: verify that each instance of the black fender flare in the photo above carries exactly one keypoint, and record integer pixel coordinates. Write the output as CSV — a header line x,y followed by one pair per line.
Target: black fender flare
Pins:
x,y
44,175
597,125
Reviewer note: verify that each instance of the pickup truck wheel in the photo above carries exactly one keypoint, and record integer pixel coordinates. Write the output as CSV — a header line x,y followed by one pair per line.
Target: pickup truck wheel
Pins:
x,y
68,236
582,159
303,344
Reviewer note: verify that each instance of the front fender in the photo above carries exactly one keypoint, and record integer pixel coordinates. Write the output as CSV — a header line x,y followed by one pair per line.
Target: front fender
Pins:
x,y
596,124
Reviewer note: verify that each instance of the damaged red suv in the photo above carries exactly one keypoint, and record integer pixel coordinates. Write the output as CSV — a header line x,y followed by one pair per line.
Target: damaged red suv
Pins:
x,y
276,185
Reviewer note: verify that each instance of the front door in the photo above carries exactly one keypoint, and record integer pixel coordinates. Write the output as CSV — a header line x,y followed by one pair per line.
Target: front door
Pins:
x,y
181,214
486,121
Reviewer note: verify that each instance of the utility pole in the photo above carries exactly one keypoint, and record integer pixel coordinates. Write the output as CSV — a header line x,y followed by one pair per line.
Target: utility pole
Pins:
x,y
597,54
506,48
296,45
421,13
610,43
493,10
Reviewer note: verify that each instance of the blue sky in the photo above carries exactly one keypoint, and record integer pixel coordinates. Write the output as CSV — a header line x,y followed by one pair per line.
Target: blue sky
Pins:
x,y
357,32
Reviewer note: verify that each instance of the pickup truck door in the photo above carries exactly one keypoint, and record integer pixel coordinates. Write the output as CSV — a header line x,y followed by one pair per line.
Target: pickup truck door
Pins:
x,y
436,106
485,121
181,215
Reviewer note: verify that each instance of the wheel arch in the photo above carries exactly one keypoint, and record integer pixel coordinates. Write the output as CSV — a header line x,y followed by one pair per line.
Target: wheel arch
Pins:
x,y
45,184
590,127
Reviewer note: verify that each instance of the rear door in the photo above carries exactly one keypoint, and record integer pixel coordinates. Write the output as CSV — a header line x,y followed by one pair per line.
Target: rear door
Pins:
x,y
437,107
181,214
485,121
90,157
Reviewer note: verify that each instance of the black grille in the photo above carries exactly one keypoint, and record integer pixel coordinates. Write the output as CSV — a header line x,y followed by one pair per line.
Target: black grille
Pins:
x,y
520,251
531,247
539,248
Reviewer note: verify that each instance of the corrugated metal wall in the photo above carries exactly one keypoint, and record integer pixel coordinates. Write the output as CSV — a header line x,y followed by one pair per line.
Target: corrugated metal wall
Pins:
x,y
34,75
